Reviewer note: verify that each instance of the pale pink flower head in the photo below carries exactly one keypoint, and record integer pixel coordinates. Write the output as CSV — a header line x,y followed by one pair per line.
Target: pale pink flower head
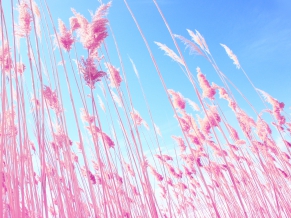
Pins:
x,y
136,117
170,53
163,190
194,49
288,144
119,179
20,68
262,128
81,20
213,116
208,91
102,11
180,142
93,129
97,34
35,9
158,176
10,126
232,104
94,33
178,100
199,40
233,132
129,169
196,129
171,169
157,129
65,36
187,171
246,123
205,125
193,105
181,186
52,99
74,157
135,192
24,20
222,93
277,107
86,117
231,55
107,140
90,73
5,57
116,99
91,177
74,24
60,138
114,75
194,139
185,126
37,16
164,157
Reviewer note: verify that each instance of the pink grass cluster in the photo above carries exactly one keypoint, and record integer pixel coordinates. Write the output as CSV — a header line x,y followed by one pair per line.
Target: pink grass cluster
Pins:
x,y
231,55
52,99
114,75
20,68
137,119
24,20
5,57
178,100
90,72
208,91
65,36
92,34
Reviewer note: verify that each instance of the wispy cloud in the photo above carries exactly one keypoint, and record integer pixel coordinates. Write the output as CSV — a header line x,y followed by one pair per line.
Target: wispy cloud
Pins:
x,y
271,43
268,39
160,2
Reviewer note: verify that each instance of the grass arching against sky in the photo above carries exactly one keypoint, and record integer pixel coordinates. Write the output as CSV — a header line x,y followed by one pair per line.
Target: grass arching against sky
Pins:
x,y
258,33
